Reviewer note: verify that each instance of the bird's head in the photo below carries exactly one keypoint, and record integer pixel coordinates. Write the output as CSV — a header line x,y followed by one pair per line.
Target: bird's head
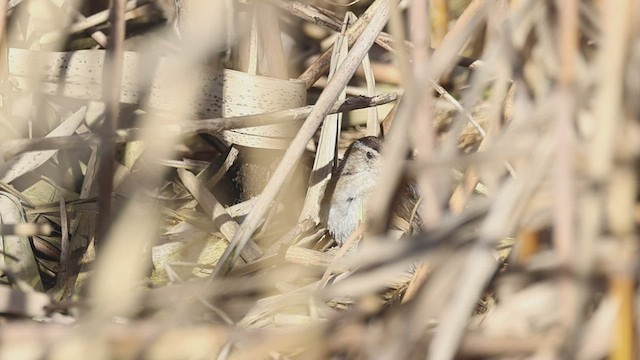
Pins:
x,y
363,155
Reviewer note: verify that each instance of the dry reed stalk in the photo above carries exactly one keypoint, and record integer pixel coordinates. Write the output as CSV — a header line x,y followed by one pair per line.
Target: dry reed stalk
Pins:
x,y
112,81
327,151
439,20
424,138
609,111
97,35
321,65
573,293
217,213
329,20
168,131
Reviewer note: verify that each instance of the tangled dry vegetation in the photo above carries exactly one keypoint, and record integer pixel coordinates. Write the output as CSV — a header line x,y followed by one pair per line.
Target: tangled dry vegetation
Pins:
x,y
163,165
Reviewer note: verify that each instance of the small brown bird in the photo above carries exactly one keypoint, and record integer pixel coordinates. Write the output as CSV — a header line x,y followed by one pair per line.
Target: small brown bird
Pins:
x,y
353,182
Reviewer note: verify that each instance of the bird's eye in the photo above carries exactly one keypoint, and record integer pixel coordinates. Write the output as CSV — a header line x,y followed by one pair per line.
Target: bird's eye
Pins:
x,y
369,155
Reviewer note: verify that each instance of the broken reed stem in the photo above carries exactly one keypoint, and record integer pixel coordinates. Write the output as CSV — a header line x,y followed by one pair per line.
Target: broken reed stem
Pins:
x,y
571,292
146,338
312,258
72,12
15,147
330,21
112,76
290,159
89,22
217,213
322,64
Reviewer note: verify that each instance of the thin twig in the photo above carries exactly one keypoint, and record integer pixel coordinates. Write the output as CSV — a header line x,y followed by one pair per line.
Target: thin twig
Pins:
x,y
12,148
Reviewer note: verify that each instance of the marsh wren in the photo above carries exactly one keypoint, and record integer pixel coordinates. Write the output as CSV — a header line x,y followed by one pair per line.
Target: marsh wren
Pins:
x,y
350,186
